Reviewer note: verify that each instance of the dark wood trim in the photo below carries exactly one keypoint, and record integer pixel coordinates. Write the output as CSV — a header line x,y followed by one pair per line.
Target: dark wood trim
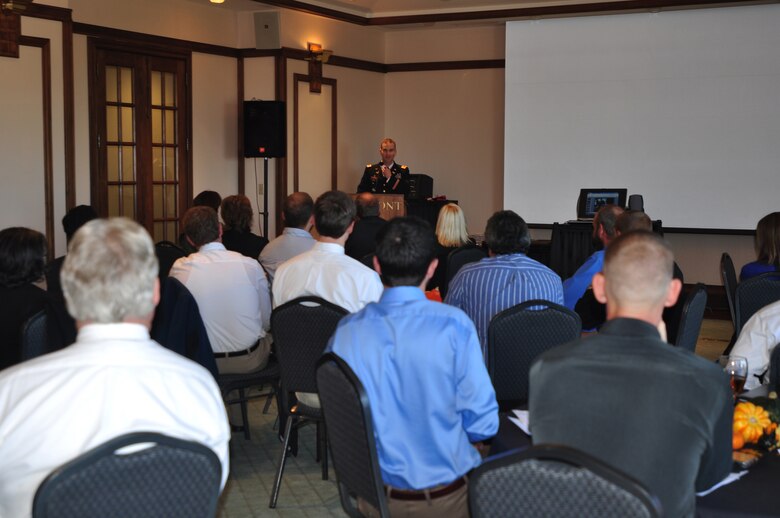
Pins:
x,y
69,113
48,12
516,13
302,78
48,155
240,120
259,53
709,231
445,65
148,40
358,64
280,194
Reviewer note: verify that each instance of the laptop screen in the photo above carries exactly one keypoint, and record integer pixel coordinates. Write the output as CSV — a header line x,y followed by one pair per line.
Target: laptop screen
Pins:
x,y
591,200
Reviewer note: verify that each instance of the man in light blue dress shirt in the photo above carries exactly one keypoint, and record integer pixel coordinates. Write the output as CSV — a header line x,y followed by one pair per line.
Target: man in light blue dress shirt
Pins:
x,y
506,278
421,365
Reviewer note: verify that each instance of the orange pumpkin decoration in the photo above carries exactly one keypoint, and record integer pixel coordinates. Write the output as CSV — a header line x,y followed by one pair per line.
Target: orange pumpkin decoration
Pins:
x,y
737,442
750,421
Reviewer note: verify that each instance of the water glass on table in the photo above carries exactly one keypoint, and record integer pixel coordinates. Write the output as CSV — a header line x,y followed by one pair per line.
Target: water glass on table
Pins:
x,y
736,367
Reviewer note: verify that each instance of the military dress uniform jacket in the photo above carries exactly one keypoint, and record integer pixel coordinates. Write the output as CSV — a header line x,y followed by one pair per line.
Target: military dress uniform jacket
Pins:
x,y
374,181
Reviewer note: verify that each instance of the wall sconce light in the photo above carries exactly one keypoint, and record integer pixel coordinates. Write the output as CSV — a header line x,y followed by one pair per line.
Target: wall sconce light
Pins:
x,y
217,1
317,56
11,26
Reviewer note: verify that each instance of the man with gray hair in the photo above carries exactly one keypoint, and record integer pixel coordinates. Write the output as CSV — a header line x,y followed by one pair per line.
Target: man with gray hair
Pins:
x,y
659,413
362,240
114,380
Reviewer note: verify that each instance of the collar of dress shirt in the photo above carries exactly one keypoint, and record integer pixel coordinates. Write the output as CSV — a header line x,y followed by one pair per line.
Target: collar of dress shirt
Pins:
x,y
401,294
630,327
214,245
296,232
331,248
91,333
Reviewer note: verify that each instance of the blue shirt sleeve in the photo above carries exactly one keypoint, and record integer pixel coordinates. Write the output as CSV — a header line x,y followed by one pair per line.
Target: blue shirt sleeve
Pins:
x,y
574,287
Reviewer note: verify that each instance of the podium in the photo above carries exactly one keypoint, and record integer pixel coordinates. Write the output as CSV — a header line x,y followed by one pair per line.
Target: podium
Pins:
x,y
390,205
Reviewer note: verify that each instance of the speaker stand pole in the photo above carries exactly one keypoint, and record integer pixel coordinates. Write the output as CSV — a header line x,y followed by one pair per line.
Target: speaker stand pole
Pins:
x,y
265,197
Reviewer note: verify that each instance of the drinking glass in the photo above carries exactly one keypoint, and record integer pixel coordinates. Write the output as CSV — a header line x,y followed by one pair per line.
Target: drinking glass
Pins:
x,y
736,367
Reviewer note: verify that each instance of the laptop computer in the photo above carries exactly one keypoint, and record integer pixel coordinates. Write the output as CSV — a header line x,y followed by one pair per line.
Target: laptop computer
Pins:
x,y
591,200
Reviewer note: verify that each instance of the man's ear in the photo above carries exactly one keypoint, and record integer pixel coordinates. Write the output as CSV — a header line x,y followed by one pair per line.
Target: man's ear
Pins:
x,y
431,269
672,293
351,227
599,284
377,266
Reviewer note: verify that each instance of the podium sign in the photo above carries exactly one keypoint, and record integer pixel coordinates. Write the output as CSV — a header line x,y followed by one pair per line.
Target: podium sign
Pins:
x,y
390,205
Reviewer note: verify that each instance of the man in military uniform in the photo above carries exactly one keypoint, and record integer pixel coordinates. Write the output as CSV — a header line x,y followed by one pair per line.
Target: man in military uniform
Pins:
x,y
386,176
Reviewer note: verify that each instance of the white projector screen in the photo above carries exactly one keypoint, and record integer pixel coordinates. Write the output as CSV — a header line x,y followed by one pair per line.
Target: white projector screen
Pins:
x,y
682,107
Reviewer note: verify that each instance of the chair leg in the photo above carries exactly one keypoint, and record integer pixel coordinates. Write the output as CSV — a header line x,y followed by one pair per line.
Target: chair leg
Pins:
x,y
244,414
282,458
318,456
324,451
269,399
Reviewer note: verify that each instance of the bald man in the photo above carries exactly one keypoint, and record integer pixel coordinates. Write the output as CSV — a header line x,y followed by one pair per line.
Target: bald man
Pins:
x,y
362,240
660,414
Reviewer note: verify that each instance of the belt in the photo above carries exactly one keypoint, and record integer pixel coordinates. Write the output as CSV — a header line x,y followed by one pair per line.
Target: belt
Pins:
x,y
233,354
425,494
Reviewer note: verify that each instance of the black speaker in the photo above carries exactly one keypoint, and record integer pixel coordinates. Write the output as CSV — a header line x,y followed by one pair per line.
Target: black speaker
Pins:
x,y
636,203
265,129
420,187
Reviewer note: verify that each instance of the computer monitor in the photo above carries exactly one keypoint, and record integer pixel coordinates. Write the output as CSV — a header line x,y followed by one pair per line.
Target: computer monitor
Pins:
x,y
591,200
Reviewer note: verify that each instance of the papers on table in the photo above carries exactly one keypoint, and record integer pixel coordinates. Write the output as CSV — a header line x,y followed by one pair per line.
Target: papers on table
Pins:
x,y
732,477
520,418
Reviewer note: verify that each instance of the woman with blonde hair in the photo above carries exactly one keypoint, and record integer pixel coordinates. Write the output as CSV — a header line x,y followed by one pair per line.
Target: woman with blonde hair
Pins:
x,y
451,233
767,245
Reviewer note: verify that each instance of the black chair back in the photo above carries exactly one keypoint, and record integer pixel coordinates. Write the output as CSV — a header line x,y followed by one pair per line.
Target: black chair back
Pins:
x,y
549,480
167,253
301,329
729,278
171,478
774,369
691,319
753,294
351,435
35,337
457,259
517,335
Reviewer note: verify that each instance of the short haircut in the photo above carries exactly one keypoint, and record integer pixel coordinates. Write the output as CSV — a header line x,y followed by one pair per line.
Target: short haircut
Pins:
x,y
75,218
767,240
367,205
297,210
333,213
387,140
507,233
451,226
405,249
201,225
237,212
607,217
109,273
633,220
22,256
207,199
638,267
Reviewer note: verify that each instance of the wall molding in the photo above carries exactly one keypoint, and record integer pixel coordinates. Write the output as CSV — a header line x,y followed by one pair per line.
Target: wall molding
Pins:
x,y
302,78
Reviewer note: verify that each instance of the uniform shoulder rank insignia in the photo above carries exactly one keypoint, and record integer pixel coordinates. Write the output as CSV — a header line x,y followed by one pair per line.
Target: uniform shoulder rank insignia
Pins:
x,y
404,167
369,165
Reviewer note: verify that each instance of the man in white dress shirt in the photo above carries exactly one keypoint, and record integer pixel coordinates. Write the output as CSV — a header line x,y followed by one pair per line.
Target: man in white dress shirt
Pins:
x,y
757,341
112,381
295,239
232,295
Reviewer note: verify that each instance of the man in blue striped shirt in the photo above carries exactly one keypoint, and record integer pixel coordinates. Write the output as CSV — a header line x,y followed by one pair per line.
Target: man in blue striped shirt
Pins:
x,y
504,279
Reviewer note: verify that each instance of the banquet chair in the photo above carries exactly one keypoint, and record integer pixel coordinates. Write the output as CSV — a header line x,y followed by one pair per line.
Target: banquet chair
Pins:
x,y
169,478
167,253
753,294
551,480
456,260
240,384
516,336
774,369
35,336
729,278
301,328
691,319
351,435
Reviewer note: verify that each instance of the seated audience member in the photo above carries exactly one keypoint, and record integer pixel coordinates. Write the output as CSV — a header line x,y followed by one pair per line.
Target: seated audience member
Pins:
x,y
362,240
756,342
439,399
114,380
505,278
326,271
295,238
232,295
604,231
451,234
767,243
203,199
22,267
71,222
237,236
660,414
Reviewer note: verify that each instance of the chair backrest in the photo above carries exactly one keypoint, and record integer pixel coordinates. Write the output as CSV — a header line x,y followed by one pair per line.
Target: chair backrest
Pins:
x,y
691,319
753,294
457,259
729,278
167,253
350,434
549,480
517,335
172,477
301,330
35,339
774,368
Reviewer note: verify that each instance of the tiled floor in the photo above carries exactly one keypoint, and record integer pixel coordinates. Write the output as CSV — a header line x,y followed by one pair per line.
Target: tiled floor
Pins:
x,y
304,493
